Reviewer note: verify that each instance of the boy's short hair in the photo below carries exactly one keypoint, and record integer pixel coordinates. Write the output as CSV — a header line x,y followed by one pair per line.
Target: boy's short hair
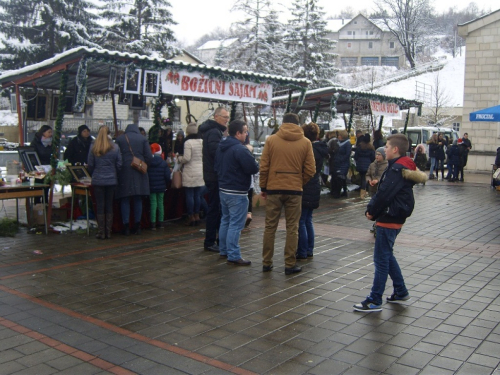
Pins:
x,y
235,126
311,131
400,141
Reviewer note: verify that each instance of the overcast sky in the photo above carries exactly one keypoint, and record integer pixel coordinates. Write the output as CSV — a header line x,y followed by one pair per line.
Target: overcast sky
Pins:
x,y
198,17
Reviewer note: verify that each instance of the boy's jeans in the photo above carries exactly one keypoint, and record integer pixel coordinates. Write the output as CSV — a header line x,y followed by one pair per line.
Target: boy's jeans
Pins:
x,y
386,265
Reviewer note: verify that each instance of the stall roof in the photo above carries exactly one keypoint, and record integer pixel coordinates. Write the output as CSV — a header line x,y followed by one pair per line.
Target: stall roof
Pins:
x,y
345,100
44,74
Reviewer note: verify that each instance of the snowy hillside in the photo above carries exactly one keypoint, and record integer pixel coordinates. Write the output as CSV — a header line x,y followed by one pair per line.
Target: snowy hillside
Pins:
x,y
451,82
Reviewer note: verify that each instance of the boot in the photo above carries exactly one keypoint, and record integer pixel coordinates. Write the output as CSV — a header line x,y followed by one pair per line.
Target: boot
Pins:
x,y
196,219
362,193
190,221
101,225
137,228
109,225
126,229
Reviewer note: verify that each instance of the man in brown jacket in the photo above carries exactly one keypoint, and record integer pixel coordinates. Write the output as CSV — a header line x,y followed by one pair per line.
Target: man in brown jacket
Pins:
x,y
286,164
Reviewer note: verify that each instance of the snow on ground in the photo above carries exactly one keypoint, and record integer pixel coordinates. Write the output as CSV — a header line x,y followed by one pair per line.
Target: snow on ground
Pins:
x,y
7,118
451,79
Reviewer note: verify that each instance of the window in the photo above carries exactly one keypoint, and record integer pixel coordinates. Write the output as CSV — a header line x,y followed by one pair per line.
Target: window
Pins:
x,y
456,126
369,32
36,107
351,33
391,44
349,45
370,45
355,22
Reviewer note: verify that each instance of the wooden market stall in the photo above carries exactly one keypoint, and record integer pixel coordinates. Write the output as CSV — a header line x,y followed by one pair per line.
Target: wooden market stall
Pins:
x,y
70,78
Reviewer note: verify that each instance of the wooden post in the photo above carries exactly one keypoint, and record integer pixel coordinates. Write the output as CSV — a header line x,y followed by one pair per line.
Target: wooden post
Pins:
x,y
19,117
113,106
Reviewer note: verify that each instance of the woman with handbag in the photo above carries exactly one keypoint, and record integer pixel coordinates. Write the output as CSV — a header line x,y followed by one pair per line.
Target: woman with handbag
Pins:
x,y
105,160
132,183
192,173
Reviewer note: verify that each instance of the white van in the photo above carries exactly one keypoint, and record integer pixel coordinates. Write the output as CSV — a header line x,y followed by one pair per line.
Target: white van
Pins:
x,y
421,134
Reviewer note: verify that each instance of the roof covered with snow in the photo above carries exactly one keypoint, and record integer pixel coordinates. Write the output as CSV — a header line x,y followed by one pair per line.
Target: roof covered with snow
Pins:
x,y
216,44
45,74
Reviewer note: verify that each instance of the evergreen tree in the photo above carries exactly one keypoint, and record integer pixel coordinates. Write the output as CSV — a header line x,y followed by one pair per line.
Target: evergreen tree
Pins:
x,y
261,48
33,31
140,26
311,49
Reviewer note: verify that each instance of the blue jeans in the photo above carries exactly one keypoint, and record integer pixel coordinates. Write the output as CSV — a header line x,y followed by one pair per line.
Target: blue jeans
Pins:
x,y
234,214
203,202
125,208
386,265
193,200
433,165
306,233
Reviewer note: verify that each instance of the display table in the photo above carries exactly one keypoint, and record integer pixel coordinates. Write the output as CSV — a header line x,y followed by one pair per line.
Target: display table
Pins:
x,y
25,190
84,190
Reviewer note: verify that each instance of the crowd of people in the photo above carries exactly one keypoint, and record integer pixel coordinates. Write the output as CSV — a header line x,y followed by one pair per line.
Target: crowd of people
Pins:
x,y
218,166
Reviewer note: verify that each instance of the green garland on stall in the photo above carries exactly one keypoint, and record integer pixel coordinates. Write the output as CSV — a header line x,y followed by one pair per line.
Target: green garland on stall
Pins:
x,y
289,102
153,135
62,174
333,105
349,127
316,111
81,85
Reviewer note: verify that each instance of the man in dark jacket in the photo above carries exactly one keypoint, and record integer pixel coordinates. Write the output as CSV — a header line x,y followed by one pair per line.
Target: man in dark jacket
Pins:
x,y
79,147
211,132
235,166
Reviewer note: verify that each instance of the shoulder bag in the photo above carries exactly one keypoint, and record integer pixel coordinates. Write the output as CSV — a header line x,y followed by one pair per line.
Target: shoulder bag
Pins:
x,y
137,164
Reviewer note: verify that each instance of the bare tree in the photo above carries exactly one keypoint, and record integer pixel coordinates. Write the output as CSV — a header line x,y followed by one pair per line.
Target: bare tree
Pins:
x,y
409,21
440,104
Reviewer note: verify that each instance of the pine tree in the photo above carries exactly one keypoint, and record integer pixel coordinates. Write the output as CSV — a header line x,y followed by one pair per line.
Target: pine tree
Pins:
x,y
261,48
312,56
141,26
33,31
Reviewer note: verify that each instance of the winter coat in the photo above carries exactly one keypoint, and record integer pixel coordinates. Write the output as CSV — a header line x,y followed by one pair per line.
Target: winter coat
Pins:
x,y
364,156
312,190
235,166
375,170
333,148
211,133
420,159
130,181
342,160
394,202
497,159
192,161
462,155
158,174
78,150
433,149
104,169
44,153
287,161
440,151
453,155
377,143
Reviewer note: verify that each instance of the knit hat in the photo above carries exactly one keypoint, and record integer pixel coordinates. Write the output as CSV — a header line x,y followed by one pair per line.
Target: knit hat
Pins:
x,y
192,128
156,149
460,141
381,151
81,128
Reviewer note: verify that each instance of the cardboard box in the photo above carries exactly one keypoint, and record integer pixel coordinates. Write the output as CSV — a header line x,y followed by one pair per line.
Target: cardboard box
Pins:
x,y
59,214
38,214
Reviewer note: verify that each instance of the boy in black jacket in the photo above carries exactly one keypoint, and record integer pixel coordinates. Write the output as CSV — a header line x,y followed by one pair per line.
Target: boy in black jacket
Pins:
x,y
389,207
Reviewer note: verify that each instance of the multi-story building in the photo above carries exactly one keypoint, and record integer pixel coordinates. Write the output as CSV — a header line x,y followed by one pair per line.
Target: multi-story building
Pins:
x,y
361,41
482,86
207,51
